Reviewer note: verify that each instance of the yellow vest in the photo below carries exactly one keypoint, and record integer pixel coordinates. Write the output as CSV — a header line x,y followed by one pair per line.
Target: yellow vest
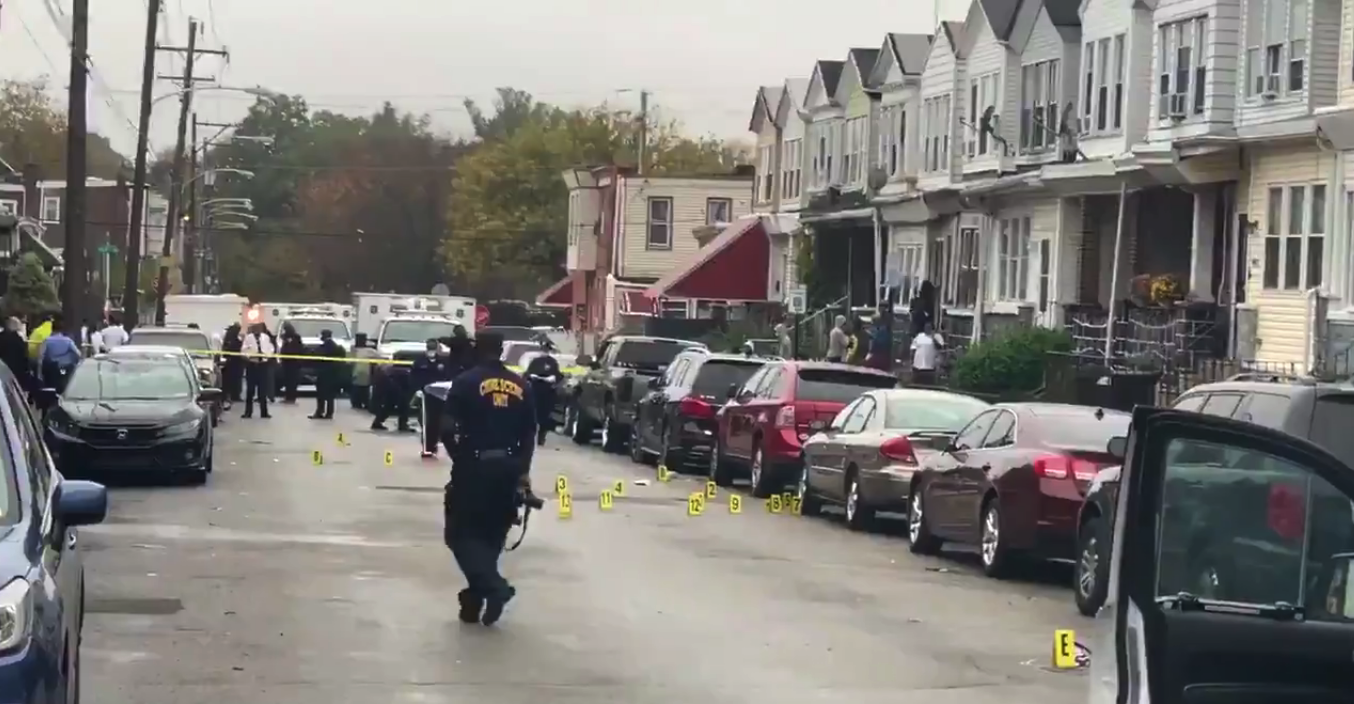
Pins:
x,y
36,339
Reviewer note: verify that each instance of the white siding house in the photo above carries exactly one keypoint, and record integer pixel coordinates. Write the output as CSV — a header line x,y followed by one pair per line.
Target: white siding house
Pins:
x,y
1291,53
824,127
1116,61
793,154
942,103
763,125
988,87
1195,55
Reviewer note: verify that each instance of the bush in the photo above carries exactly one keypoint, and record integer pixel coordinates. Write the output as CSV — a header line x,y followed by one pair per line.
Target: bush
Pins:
x,y
1012,363
31,289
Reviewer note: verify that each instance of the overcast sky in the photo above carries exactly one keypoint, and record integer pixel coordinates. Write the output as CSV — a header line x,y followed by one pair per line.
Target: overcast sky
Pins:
x,y
701,59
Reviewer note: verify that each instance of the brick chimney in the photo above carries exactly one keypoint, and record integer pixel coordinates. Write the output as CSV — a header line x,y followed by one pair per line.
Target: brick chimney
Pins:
x,y
32,198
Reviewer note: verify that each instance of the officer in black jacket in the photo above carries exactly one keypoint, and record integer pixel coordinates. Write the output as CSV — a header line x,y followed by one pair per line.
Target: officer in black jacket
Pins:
x,y
328,376
431,368
489,428
460,350
543,373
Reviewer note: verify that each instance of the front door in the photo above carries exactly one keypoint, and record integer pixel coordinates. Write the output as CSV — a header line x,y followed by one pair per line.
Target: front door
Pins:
x,y
1230,576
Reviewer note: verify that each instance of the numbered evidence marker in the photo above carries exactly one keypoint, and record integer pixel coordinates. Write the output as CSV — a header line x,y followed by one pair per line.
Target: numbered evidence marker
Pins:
x,y
342,441
316,458
618,489
390,458
774,504
1065,649
735,503
606,500
695,504
711,491
566,505
561,485
664,474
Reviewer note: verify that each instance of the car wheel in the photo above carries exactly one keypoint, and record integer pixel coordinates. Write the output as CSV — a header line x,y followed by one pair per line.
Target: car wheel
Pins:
x,y
613,435
673,459
196,476
992,549
809,504
570,419
636,452
859,516
761,476
719,467
73,676
922,540
1092,568
582,427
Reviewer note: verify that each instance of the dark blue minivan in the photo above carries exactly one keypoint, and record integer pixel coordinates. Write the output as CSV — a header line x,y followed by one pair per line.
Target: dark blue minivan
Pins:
x,y
42,588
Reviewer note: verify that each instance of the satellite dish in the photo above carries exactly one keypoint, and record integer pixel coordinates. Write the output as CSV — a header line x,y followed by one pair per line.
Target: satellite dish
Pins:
x,y
441,290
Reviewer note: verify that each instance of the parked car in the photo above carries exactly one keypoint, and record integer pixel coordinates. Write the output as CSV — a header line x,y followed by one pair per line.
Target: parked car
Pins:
x,y
1013,482
42,585
675,420
762,427
197,343
514,351
865,458
617,377
1321,413
202,380
132,414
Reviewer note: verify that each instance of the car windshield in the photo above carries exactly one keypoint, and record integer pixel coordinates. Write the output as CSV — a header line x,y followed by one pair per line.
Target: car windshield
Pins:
x,y
838,385
515,352
929,411
716,375
649,353
187,339
313,326
127,379
415,330
1079,429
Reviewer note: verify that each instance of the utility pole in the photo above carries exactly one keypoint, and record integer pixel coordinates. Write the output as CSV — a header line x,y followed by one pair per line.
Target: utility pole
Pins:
x,y
74,258
177,182
643,150
206,235
131,282
190,226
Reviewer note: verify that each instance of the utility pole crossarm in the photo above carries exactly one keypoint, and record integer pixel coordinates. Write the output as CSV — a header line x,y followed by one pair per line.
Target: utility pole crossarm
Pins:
x,y
193,49
184,79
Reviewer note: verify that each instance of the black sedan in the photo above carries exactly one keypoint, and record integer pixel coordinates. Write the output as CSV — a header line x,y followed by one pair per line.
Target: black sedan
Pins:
x,y
132,414
675,420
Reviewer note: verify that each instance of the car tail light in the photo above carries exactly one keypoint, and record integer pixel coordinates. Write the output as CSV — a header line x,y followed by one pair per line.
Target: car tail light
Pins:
x,y
785,417
1060,466
899,450
695,408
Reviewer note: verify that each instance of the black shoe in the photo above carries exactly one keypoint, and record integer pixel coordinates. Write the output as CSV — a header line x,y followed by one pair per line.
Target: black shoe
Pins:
x,y
247,415
471,606
265,416
315,416
378,426
493,607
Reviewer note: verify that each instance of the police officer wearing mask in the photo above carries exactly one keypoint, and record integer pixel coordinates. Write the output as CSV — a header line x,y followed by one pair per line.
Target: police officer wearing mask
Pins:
x,y
544,374
489,427
395,391
431,368
328,376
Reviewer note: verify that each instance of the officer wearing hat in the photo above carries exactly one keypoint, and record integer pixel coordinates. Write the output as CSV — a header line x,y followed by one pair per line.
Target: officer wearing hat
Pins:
x,y
489,428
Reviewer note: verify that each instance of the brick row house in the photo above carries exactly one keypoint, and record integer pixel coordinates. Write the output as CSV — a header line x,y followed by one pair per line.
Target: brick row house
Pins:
x,y
1004,156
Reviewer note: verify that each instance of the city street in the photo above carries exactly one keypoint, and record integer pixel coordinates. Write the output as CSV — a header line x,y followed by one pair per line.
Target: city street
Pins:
x,y
284,582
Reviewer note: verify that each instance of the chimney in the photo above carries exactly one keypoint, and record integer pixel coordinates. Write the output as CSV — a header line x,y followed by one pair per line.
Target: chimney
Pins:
x,y
32,198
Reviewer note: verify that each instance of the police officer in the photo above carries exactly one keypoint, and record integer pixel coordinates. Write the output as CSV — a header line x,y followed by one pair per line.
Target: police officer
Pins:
x,y
489,427
429,369
544,374
394,393
328,376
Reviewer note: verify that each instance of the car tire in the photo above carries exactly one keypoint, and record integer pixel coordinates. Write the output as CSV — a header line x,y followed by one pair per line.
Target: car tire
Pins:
x,y
582,427
859,516
216,415
719,471
993,551
763,483
809,503
1090,583
614,436
637,454
674,460
196,476
570,419
73,675
922,540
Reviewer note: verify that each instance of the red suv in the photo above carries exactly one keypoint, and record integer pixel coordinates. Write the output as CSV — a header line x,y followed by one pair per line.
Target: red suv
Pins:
x,y
763,426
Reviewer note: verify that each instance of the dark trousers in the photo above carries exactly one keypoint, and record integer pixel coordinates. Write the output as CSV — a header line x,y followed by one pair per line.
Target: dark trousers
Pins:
x,y
232,377
291,378
430,423
359,395
325,393
54,376
477,556
394,399
924,377
256,387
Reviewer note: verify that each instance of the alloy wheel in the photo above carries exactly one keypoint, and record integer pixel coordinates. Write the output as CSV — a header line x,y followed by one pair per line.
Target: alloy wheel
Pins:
x,y
991,535
852,500
1090,564
914,518
756,467
606,432
803,490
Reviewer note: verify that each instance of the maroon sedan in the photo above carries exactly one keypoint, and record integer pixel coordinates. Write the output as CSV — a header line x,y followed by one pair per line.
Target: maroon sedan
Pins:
x,y
1012,482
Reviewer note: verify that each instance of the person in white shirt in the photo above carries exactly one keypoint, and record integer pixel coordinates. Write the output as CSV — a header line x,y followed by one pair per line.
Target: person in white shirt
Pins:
x,y
114,336
96,343
258,351
926,348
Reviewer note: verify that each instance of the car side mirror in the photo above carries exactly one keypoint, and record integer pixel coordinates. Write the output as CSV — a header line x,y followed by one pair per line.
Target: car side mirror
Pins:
x,y
1117,447
1339,586
80,503
210,395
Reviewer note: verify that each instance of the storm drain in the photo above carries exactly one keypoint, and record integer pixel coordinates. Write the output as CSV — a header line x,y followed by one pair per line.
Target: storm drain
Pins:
x,y
129,606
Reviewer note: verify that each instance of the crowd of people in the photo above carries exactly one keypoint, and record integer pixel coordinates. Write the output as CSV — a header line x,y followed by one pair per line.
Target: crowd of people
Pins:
x,y
43,352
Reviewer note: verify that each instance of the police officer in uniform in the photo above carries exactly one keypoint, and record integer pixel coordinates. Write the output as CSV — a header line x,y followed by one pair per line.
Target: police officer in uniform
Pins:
x,y
489,428
544,374
429,369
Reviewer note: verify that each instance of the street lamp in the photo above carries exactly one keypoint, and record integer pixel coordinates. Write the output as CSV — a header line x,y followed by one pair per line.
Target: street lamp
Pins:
x,y
221,170
231,226
233,214
256,91
246,203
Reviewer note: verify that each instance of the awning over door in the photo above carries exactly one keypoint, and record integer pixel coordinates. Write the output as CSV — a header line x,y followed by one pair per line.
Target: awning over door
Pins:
x,y
560,294
634,300
733,267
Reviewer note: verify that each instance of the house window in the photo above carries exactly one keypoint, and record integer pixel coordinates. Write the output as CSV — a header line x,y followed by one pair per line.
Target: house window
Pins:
x,y
1013,257
1039,96
9,207
51,209
791,154
937,133
659,227
982,95
853,150
1045,273
833,152
1276,47
1182,70
892,139
718,211
1295,244
816,152
906,264
766,169
960,252
1120,70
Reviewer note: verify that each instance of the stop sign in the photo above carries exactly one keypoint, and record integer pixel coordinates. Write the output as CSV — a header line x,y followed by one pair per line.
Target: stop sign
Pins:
x,y
481,316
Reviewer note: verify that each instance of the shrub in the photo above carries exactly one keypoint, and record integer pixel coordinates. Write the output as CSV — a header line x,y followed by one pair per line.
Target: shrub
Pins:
x,y
1012,363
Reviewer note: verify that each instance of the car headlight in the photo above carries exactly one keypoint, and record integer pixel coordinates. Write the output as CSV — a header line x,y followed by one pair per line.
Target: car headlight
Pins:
x,y
16,614
188,427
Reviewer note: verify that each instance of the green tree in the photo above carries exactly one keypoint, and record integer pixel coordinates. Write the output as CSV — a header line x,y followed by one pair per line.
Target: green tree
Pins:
x,y
33,131
31,290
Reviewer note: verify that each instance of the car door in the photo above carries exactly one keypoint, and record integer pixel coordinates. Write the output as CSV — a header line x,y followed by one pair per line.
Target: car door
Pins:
x,y
943,482
594,382
646,410
1228,584
819,448
658,404
852,445
734,413
980,466
749,411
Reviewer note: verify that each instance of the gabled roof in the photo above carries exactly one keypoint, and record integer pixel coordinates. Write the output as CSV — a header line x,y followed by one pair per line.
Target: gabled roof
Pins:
x,y
826,76
855,72
764,108
1000,15
911,51
954,34
1064,13
791,99
863,60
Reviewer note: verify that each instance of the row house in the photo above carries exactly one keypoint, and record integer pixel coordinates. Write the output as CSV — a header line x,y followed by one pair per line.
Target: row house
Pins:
x,y
1016,158
644,246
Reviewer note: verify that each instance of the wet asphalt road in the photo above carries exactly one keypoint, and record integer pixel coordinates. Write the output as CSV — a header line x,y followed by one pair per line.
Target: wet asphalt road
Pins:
x,y
289,583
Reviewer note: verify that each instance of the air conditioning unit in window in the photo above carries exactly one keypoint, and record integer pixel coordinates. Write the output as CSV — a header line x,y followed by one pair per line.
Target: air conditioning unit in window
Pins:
x,y
1178,106
1271,88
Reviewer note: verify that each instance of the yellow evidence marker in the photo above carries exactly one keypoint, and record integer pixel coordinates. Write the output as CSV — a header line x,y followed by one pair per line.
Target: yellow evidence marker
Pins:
x,y
618,489
561,485
1065,649
796,507
735,503
711,491
566,505
695,504
785,499
774,505
316,458
664,474
390,458
342,441
606,500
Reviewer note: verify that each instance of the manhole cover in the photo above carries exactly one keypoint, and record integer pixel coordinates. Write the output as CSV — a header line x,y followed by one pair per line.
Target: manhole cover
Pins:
x,y
133,606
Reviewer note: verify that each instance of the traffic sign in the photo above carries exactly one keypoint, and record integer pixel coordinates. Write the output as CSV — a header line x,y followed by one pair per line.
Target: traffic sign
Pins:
x,y
108,249
797,301
481,316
